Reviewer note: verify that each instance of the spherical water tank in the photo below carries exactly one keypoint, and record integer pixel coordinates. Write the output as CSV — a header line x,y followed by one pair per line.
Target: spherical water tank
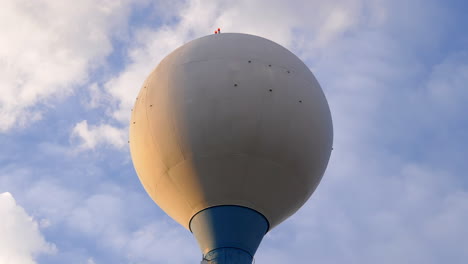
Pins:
x,y
231,119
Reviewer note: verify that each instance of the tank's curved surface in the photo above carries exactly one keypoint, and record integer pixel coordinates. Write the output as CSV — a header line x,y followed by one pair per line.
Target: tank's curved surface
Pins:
x,y
231,119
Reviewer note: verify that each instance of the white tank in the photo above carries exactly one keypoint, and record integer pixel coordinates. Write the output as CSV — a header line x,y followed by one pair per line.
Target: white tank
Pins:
x,y
231,119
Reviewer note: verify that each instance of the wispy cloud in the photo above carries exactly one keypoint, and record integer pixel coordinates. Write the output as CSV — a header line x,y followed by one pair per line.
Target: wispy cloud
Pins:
x,y
90,137
50,47
21,239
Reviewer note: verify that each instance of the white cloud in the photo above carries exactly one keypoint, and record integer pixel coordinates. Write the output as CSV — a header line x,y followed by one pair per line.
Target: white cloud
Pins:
x,y
91,136
161,242
292,27
93,216
47,48
44,223
376,210
336,23
21,240
109,218
447,85
114,220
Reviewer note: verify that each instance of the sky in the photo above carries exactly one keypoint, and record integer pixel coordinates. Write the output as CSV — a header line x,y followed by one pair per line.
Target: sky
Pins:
x,y
395,73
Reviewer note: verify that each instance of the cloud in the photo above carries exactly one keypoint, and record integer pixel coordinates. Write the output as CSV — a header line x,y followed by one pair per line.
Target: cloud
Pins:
x,y
158,242
413,214
447,83
116,220
292,28
98,218
92,136
48,48
21,240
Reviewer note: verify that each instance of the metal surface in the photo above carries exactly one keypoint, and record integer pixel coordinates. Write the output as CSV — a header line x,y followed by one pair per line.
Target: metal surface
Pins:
x,y
229,227
227,256
231,119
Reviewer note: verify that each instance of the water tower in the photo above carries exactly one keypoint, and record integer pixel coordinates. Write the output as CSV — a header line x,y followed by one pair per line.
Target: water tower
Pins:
x,y
230,135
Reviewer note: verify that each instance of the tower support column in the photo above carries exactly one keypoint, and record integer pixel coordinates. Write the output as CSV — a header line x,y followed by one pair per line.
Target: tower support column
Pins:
x,y
227,256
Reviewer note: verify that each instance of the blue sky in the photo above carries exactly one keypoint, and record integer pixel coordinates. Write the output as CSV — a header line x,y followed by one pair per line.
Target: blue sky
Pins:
x,y
395,74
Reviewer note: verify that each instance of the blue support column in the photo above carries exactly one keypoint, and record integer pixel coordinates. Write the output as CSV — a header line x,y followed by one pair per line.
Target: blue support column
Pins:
x,y
228,234
227,255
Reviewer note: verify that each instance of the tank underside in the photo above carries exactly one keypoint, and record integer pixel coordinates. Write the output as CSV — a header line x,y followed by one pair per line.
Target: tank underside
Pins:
x,y
228,234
